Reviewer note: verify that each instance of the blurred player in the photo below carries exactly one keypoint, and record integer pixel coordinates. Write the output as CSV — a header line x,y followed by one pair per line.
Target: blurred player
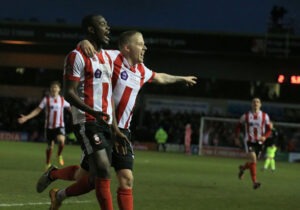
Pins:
x,y
129,75
54,105
271,149
256,131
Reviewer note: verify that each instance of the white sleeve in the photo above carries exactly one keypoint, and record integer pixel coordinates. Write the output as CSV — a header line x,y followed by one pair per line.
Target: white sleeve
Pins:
x,y
149,74
74,65
43,103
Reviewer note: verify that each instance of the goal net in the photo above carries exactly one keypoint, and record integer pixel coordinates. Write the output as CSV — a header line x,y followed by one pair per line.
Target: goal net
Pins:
x,y
217,137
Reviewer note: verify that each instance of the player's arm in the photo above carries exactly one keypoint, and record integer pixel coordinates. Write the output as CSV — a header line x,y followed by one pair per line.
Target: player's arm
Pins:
x,y
32,114
70,94
163,78
267,133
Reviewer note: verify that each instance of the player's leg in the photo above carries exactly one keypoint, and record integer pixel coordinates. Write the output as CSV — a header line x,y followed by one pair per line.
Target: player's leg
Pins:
x,y
267,163
122,161
97,145
60,137
272,163
83,185
80,187
252,166
50,145
247,165
124,193
70,173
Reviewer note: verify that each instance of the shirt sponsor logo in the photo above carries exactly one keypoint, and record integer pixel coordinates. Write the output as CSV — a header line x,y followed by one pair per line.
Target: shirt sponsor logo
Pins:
x,y
124,75
98,73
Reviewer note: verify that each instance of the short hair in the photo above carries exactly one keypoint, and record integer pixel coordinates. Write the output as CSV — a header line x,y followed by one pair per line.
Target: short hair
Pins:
x,y
55,83
88,21
125,37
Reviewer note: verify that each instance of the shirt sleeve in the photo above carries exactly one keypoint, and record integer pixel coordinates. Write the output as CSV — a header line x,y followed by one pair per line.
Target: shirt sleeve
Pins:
x,y
73,66
43,103
149,74
66,104
113,54
268,127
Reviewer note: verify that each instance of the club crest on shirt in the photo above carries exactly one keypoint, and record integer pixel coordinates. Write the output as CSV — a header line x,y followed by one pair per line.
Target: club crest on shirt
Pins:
x,y
98,74
97,139
124,75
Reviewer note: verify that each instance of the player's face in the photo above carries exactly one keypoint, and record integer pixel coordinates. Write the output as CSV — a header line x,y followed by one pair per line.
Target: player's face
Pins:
x,y
54,90
137,48
101,30
256,104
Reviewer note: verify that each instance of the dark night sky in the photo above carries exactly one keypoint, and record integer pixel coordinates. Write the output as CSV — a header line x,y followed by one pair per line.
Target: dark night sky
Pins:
x,y
237,16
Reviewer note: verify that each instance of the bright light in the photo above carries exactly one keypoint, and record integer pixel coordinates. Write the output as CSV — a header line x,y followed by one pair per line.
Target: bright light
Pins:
x,y
280,78
16,42
295,79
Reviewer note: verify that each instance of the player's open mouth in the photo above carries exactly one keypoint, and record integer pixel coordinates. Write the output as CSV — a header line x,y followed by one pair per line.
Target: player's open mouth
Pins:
x,y
106,38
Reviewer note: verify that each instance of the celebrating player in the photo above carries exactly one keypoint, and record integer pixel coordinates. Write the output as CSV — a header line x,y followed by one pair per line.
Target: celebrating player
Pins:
x,y
129,75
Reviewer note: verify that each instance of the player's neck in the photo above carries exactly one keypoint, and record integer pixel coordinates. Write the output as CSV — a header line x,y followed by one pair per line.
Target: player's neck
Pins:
x,y
54,95
97,45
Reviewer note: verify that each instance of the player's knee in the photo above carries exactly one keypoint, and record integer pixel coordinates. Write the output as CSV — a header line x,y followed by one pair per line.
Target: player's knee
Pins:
x,y
61,139
79,173
125,180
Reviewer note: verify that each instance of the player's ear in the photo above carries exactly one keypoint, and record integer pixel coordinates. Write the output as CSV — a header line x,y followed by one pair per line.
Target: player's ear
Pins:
x,y
91,30
126,48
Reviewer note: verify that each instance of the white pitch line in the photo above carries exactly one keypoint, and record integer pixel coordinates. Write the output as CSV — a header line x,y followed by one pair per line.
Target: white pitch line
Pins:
x,y
38,203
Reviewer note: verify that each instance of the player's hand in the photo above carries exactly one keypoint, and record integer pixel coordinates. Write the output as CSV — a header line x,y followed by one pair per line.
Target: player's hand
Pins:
x,y
87,48
121,135
101,117
190,80
261,139
122,145
22,119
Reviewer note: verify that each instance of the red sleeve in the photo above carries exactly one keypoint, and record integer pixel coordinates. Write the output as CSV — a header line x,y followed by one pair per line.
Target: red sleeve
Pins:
x,y
268,131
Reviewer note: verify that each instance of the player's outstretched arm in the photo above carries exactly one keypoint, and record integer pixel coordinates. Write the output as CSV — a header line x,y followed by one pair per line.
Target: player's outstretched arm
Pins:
x,y
163,78
32,114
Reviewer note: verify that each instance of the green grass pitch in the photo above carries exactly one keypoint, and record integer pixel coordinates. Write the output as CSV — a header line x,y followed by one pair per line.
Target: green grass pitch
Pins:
x,y
163,181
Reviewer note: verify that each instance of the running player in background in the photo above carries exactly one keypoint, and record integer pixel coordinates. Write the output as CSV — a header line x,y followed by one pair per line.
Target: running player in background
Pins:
x,y
129,75
54,105
256,130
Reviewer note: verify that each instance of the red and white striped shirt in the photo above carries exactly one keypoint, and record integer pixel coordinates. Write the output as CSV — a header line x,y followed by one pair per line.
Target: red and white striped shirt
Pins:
x,y
256,125
54,108
94,77
127,81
